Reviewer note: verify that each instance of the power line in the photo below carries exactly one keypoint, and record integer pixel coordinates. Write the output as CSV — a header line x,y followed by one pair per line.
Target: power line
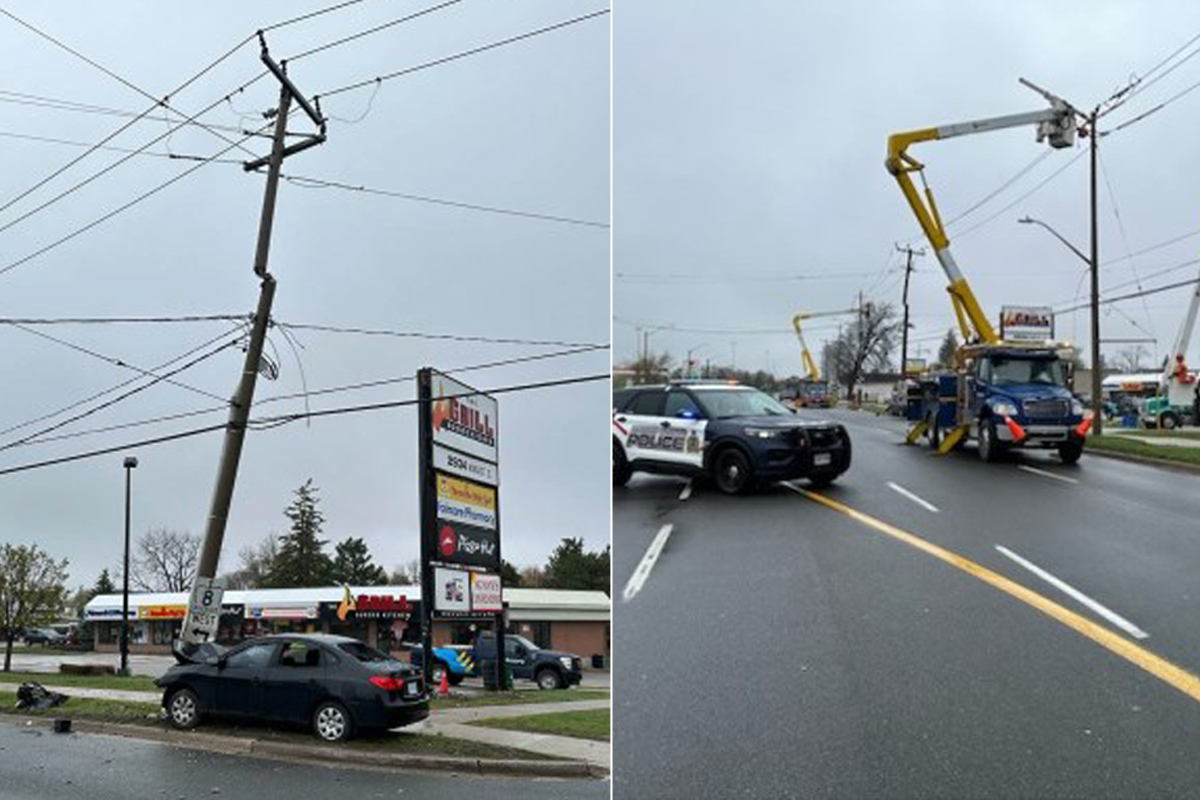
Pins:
x,y
1024,196
312,14
384,26
463,54
284,419
1124,239
1022,172
1154,109
117,362
121,385
29,137
155,190
131,123
57,104
1136,295
123,320
1138,85
318,183
328,390
137,389
419,335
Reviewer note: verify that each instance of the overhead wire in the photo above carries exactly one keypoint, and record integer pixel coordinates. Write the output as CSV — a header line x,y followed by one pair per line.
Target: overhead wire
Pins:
x,y
420,335
319,392
1112,197
373,30
462,54
293,417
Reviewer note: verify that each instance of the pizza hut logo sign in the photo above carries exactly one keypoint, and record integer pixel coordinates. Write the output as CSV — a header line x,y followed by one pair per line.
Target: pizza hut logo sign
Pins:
x,y
447,541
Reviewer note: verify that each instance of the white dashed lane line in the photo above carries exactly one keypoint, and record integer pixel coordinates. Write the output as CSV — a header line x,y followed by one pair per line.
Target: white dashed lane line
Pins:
x,y
642,573
1063,586
687,491
895,487
1036,471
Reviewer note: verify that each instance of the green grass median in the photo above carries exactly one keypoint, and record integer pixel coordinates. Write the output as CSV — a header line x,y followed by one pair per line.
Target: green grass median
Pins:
x,y
518,698
591,724
123,711
134,683
1123,445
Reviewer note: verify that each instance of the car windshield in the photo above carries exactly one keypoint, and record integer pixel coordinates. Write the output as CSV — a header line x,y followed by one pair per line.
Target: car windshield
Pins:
x,y
362,652
1028,370
722,403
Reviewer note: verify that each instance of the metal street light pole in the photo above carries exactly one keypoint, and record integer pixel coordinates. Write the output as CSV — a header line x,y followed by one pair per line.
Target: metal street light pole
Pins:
x,y
130,463
689,357
1097,418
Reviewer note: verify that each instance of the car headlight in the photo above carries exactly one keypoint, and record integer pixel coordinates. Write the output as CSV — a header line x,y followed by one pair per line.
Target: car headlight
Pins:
x,y
1004,409
761,433
1076,408
566,661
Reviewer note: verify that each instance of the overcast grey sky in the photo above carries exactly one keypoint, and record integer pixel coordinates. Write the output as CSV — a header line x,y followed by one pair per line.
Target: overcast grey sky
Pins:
x,y
749,141
522,127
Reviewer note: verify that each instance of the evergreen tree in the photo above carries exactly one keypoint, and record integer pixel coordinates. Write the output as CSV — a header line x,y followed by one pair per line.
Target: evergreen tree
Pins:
x,y
353,565
302,560
104,584
571,567
948,348
510,576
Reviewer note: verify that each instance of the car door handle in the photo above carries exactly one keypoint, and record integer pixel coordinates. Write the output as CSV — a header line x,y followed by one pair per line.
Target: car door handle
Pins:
x,y
665,423
621,419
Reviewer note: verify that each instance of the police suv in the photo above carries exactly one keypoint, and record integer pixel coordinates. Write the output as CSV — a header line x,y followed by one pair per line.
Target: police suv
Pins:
x,y
735,435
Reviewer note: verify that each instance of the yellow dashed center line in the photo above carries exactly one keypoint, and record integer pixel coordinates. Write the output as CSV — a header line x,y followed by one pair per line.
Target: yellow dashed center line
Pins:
x,y
1157,666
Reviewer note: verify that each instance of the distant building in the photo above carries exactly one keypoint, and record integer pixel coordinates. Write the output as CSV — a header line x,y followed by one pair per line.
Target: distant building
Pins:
x,y
572,621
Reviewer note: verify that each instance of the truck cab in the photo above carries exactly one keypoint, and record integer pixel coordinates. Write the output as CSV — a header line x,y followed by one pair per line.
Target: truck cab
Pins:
x,y
1005,396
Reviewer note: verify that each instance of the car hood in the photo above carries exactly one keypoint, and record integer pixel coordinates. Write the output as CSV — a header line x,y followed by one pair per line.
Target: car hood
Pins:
x,y
554,654
777,421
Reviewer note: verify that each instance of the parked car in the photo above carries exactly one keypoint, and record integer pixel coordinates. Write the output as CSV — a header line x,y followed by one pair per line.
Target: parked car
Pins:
x,y
335,684
44,636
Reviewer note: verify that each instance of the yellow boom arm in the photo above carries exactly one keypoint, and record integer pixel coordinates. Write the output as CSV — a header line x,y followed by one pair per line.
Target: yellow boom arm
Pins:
x,y
1055,124
814,374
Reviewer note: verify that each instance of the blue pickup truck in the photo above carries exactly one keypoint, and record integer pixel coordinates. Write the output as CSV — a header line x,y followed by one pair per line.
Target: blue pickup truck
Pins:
x,y
548,668
1003,396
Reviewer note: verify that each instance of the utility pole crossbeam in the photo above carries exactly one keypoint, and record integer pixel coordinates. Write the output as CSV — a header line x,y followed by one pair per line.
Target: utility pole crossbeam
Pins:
x,y
192,634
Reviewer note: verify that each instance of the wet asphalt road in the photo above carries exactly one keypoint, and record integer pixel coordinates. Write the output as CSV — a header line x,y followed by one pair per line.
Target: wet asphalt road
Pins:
x,y
780,648
37,765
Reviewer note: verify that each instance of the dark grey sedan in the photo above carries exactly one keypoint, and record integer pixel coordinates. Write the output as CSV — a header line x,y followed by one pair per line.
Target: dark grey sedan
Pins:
x,y
335,684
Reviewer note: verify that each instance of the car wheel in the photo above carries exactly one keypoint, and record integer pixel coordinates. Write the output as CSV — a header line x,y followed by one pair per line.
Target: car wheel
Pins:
x,y
1070,452
183,709
549,679
331,722
455,678
1168,420
732,472
621,471
989,448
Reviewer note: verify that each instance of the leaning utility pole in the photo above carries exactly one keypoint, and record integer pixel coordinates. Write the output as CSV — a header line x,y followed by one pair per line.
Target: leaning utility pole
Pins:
x,y
908,268
1097,378
204,607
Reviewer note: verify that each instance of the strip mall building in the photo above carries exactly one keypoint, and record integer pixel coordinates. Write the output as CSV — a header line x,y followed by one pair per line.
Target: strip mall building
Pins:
x,y
387,617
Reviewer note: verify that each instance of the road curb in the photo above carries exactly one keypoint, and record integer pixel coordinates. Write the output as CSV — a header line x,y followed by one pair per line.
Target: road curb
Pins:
x,y
1151,460
332,755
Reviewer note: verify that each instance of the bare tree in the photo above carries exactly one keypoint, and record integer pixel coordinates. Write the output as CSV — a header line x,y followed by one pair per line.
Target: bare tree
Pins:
x,y
651,367
256,563
406,574
867,343
1131,359
164,561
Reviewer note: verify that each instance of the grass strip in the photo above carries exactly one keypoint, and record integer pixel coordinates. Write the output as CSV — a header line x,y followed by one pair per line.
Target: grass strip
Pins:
x,y
147,714
591,724
514,698
1121,444
136,683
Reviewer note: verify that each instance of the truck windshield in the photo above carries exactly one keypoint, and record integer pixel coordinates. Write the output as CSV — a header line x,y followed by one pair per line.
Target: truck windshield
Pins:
x,y
1028,370
720,403
818,389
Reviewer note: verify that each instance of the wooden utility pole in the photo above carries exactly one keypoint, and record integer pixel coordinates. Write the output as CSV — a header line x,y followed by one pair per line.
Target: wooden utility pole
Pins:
x,y
194,632
908,268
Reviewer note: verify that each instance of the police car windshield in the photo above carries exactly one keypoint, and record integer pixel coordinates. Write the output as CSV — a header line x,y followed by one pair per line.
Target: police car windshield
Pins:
x,y
723,403
1028,370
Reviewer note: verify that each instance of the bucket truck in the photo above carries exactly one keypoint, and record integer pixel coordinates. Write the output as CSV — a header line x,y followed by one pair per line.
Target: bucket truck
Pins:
x,y
1002,394
1178,399
813,391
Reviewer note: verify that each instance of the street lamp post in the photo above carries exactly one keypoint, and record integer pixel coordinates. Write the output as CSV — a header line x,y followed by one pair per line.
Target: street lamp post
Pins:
x,y
130,463
1097,398
691,350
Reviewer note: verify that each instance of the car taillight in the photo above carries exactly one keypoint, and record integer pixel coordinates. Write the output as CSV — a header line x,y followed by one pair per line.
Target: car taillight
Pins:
x,y
388,683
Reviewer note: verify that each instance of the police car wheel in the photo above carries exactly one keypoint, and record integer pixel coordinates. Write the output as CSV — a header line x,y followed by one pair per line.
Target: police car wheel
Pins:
x,y
823,480
732,472
454,678
621,471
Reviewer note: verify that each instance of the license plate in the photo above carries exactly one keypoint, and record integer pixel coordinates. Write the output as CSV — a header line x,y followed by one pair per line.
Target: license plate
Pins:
x,y
822,459
414,688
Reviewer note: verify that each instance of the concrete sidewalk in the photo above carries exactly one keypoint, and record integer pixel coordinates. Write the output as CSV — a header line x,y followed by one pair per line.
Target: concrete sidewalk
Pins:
x,y
451,722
